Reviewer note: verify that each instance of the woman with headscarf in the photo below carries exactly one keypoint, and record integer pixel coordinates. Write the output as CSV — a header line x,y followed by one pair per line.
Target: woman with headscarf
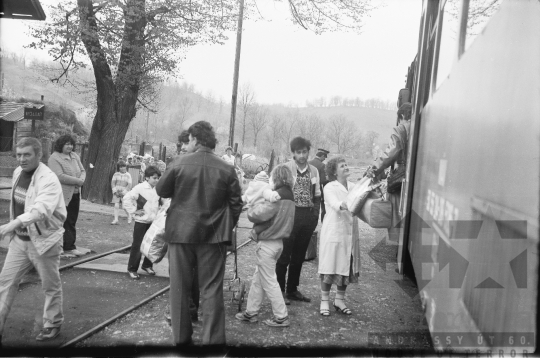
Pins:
x,y
66,164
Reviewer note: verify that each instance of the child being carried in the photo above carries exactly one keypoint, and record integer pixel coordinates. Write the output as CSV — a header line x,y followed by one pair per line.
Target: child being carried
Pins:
x,y
256,192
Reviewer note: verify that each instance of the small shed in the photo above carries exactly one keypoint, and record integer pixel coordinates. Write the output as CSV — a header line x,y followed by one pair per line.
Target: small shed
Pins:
x,y
13,125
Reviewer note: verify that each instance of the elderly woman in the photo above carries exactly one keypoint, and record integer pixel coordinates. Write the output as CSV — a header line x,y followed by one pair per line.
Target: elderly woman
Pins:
x,y
66,164
339,247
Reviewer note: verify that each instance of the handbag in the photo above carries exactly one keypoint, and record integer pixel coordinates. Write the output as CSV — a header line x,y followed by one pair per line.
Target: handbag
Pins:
x,y
395,180
376,212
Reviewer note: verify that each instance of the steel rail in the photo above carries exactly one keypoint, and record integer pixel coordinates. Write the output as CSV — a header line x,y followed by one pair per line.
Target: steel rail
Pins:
x,y
91,258
102,325
111,320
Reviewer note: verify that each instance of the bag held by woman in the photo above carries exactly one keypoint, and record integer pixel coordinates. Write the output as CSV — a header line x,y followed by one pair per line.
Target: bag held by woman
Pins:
x,y
376,212
359,194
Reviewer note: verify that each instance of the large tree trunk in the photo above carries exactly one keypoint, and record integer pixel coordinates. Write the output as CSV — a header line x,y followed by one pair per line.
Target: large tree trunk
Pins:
x,y
116,97
108,132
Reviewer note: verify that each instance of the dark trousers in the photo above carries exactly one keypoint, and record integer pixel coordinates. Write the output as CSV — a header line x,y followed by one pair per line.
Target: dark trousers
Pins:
x,y
135,254
323,207
70,233
195,293
209,260
294,249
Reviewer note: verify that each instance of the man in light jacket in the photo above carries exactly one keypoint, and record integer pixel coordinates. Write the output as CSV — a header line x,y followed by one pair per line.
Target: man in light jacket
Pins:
x,y
35,230
205,207
307,198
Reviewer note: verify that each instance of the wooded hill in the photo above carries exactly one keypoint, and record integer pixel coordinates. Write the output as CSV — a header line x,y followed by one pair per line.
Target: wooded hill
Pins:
x,y
259,128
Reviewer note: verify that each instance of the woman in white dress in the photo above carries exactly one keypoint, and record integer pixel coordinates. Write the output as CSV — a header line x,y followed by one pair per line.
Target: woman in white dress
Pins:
x,y
339,247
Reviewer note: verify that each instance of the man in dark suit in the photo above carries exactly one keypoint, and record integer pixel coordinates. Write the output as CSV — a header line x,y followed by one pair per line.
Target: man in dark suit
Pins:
x,y
205,207
318,162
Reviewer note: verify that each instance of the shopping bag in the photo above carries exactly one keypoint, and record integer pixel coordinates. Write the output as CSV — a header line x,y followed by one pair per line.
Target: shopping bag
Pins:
x,y
359,194
376,212
311,252
153,246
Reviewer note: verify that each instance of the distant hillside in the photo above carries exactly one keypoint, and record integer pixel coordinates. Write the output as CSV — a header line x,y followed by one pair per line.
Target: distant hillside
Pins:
x,y
367,119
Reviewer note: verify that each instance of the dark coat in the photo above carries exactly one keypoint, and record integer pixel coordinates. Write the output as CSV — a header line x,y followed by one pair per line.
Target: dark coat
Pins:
x,y
321,167
206,199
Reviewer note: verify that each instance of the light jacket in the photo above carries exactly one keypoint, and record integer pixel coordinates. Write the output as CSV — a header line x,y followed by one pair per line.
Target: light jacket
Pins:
x,y
339,233
63,169
279,214
151,206
254,192
44,208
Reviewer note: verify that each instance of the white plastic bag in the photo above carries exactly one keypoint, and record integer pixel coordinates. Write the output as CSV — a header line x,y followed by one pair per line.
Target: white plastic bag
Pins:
x,y
153,246
359,194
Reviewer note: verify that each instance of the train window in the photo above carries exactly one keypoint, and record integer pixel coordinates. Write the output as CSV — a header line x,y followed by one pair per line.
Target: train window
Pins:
x,y
448,41
480,11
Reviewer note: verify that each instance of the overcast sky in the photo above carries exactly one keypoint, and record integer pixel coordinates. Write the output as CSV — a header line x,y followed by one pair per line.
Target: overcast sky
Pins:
x,y
287,64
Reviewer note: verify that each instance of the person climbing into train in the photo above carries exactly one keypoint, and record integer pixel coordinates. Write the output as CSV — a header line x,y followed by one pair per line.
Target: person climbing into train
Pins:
x,y
278,212
395,156
143,203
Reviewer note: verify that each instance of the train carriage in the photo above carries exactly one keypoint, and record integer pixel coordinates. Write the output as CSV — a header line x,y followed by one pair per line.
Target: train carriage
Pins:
x,y
471,197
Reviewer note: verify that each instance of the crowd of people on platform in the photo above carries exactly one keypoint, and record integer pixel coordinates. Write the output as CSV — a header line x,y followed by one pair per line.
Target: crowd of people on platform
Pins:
x,y
205,205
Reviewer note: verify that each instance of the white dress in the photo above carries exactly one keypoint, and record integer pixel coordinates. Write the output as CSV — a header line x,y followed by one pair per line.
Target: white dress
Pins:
x,y
340,239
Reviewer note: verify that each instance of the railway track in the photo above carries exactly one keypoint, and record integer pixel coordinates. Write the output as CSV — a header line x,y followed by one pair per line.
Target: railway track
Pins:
x,y
235,285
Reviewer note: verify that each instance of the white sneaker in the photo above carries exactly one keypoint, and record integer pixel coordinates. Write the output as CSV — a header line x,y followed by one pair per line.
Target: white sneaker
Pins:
x,y
73,252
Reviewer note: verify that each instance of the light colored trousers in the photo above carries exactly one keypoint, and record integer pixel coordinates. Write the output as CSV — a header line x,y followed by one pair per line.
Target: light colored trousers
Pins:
x,y
264,280
21,256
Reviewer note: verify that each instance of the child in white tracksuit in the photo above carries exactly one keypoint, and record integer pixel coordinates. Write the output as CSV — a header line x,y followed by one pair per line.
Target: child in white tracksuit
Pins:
x,y
279,217
143,203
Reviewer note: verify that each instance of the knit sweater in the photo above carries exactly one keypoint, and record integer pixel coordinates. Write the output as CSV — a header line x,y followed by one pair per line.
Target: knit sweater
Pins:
x,y
70,172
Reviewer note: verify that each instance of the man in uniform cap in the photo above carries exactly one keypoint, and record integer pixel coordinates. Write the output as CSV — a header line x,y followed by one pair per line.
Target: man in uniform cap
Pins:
x,y
317,162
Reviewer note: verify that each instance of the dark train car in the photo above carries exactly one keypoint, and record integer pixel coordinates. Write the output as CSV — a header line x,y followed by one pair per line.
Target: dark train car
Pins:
x,y
471,230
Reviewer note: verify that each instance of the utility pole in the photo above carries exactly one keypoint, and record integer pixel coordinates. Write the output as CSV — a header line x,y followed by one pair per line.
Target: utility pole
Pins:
x,y
236,72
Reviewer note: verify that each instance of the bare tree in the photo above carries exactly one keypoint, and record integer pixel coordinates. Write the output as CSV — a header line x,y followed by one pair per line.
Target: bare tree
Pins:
x,y
258,120
274,132
246,100
289,126
343,133
183,112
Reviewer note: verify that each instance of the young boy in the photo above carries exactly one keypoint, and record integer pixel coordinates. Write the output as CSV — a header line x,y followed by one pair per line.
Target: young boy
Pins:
x,y
143,203
280,216
121,184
